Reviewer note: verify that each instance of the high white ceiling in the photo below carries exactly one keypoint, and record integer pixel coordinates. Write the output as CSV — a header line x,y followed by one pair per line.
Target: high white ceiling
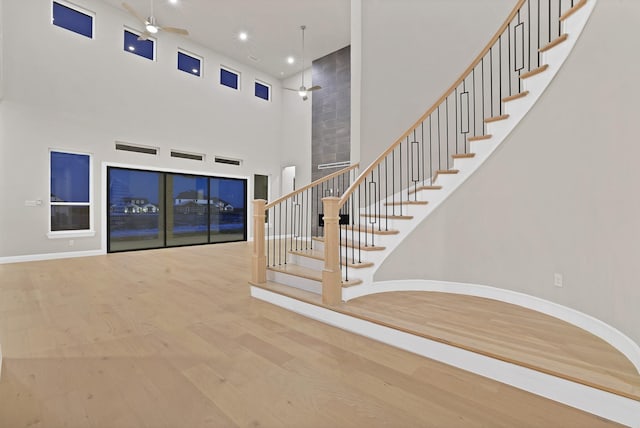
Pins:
x,y
273,27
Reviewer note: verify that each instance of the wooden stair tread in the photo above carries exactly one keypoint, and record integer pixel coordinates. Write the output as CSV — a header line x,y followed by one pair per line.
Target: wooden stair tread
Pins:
x,y
286,290
398,203
369,229
463,155
389,216
319,255
515,96
533,72
554,43
297,270
496,118
573,10
352,244
307,273
425,188
480,137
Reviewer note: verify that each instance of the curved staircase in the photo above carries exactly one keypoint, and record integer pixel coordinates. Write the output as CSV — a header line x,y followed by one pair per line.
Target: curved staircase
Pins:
x,y
380,206
330,237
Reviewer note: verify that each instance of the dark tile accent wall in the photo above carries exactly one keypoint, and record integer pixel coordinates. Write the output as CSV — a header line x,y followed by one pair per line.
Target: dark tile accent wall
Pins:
x,y
331,111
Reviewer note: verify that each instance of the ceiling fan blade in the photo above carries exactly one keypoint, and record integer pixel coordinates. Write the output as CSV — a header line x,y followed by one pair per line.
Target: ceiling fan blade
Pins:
x,y
291,89
133,12
144,36
175,30
314,88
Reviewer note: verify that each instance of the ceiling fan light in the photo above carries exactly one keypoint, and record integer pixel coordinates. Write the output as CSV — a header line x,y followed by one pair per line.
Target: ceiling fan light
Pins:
x,y
302,93
151,28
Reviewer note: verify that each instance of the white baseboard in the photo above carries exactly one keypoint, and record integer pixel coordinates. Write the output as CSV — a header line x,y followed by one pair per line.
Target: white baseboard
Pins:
x,y
50,256
610,406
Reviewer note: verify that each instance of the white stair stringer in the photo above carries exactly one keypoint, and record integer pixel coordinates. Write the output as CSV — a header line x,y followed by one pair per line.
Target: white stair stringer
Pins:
x,y
499,131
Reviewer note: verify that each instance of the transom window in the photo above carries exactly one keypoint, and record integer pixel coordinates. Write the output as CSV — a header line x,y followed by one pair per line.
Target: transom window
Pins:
x,y
262,90
143,48
229,78
72,19
189,63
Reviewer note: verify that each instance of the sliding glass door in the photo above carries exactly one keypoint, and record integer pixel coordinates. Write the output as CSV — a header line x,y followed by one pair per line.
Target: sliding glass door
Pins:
x,y
148,209
187,210
136,210
227,218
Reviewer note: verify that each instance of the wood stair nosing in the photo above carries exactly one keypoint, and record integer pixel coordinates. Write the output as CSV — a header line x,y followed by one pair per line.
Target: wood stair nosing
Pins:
x,y
554,43
306,273
357,245
412,191
352,282
534,72
480,137
398,203
370,230
573,10
388,216
296,270
496,118
319,255
515,96
463,155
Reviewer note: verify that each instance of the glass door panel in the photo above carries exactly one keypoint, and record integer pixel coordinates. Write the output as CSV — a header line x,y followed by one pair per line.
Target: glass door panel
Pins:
x,y
188,197
228,214
136,209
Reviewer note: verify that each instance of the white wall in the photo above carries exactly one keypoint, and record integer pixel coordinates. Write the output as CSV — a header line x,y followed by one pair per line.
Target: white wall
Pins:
x,y
412,51
560,195
296,129
67,92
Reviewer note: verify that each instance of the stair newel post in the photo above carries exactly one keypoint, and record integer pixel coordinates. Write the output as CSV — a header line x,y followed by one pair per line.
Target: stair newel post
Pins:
x,y
331,276
258,259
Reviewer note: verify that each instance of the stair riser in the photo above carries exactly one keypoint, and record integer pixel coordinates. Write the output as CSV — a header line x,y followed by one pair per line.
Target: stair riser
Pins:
x,y
463,163
378,240
295,281
307,262
445,180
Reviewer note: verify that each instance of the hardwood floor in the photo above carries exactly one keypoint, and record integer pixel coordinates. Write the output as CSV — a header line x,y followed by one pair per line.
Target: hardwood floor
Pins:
x,y
171,338
507,332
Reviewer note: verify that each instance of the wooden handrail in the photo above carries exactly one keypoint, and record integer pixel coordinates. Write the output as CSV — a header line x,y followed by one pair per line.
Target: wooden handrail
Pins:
x,y
310,185
440,100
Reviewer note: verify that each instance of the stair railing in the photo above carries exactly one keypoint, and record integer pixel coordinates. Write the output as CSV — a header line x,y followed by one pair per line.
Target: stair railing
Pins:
x,y
389,185
290,223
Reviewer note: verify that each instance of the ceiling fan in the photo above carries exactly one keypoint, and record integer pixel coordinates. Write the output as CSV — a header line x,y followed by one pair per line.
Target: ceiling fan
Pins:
x,y
150,24
303,91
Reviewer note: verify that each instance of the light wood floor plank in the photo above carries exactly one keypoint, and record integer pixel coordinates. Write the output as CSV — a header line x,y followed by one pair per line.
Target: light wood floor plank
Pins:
x,y
171,338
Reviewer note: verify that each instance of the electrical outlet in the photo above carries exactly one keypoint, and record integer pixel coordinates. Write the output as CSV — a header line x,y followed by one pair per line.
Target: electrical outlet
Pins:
x,y
557,279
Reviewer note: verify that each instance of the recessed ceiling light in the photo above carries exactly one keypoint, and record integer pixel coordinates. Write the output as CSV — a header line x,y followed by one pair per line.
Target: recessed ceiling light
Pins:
x,y
243,36
290,60
173,1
